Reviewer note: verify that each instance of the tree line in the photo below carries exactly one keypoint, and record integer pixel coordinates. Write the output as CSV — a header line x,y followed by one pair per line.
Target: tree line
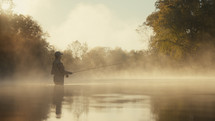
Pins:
x,y
23,45
183,35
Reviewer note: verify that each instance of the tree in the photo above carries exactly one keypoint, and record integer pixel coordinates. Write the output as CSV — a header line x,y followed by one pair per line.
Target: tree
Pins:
x,y
23,45
78,49
182,26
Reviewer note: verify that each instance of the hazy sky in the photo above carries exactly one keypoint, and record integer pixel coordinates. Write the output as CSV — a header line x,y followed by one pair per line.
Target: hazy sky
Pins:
x,y
108,23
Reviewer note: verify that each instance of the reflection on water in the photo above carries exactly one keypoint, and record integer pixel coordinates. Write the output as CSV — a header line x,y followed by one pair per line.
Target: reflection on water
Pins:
x,y
105,102
58,99
185,108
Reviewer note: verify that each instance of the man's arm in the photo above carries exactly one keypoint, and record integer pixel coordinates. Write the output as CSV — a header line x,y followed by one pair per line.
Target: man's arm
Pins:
x,y
68,72
62,69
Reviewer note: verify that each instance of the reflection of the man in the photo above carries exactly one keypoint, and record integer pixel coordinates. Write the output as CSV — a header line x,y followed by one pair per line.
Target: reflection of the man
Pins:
x,y
57,99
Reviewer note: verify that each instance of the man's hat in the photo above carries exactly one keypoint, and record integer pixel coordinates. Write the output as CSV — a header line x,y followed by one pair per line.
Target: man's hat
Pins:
x,y
58,53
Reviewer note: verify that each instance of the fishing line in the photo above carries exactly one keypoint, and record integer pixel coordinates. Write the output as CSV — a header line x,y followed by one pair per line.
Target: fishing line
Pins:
x,y
94,68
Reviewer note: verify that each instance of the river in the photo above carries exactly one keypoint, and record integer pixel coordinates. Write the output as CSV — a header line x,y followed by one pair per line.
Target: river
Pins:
x,y
110,100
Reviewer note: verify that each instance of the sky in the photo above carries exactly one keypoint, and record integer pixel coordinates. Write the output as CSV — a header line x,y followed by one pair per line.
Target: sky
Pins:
x,y
106,23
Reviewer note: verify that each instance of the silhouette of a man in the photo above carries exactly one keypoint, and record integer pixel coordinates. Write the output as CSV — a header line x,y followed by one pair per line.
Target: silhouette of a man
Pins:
x,y
58,69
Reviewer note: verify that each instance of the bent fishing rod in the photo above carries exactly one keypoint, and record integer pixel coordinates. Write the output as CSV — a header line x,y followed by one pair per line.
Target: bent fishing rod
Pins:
x,y
94,68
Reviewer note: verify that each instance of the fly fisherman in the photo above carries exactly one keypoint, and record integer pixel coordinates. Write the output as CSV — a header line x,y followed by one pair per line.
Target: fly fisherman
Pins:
x,y
58,69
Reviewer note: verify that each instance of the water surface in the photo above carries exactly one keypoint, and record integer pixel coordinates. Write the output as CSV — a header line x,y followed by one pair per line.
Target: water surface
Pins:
x,y
124,100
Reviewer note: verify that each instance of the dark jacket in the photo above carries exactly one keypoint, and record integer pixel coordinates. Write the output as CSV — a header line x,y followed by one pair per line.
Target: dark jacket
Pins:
x,y
58,71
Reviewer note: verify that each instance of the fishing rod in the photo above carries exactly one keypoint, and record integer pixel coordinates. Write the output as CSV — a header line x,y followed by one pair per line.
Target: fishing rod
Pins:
x,y
93,68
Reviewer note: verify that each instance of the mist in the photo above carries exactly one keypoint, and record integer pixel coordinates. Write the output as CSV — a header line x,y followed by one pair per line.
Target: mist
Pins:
x,y
26,55
170,79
